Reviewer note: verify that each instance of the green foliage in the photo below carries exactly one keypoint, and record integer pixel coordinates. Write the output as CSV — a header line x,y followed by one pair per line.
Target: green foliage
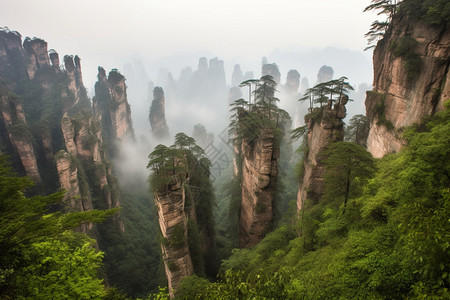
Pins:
x,y
380,111
330,91
348,167
378,28
391,243
63,268
39,256
405,47
252,120
357,130
433,12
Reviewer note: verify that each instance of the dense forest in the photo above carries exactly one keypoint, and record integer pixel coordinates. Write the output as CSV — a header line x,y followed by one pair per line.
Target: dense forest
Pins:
x,y
328,208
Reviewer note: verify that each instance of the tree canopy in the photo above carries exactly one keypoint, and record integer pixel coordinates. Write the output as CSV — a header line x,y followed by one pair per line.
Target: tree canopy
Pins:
x,y
41,258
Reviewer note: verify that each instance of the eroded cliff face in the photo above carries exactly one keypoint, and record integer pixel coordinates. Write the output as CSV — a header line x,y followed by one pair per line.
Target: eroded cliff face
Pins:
x,y
404,89
173,224
259,179
51,128
19,135
68,178
325,126
111,107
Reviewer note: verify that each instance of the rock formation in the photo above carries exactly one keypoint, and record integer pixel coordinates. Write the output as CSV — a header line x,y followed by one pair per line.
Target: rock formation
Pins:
x,y
202,137
51,130
272,70
259,179
292,82
325,74
110,106
411,80
237,77
157,114
173,224
19,134
325,126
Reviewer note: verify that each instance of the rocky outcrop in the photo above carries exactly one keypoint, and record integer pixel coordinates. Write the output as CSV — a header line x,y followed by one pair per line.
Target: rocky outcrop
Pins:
x,y
157,115
272,70
51,125
68,178
173,224
259,179
325,126
411,80
111,108
292,82
325,74
202,137
19,134
37,55
121,123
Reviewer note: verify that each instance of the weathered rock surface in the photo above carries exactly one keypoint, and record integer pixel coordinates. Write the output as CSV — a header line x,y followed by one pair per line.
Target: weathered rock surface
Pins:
x,y
259,178
111,108
173,224
121,123
20,136
325,126
55,119
400,99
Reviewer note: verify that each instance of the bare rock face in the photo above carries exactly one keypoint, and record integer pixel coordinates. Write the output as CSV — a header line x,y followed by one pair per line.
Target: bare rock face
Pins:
x,y
111,108
19,134
404,91
37,55
54,59
325,126
173,224
259,178
120,109
272,70
157,114
68,178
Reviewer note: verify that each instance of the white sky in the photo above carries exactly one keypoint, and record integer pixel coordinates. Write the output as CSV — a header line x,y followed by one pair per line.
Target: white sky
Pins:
x,y
103,31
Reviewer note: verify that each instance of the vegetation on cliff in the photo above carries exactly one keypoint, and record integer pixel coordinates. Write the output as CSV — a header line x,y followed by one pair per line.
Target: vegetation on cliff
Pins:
x,y
391,242
185,162
41,256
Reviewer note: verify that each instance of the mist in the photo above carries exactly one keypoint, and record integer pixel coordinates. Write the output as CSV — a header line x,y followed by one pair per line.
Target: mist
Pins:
x,y
160,43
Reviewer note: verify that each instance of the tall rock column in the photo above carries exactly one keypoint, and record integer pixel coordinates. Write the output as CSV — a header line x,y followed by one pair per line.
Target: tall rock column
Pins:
x,y
121,123
157,114
173,224
259,179
325,126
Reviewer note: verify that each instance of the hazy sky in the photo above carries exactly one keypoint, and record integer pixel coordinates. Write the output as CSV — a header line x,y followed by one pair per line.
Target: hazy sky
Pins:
x,y
104,31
